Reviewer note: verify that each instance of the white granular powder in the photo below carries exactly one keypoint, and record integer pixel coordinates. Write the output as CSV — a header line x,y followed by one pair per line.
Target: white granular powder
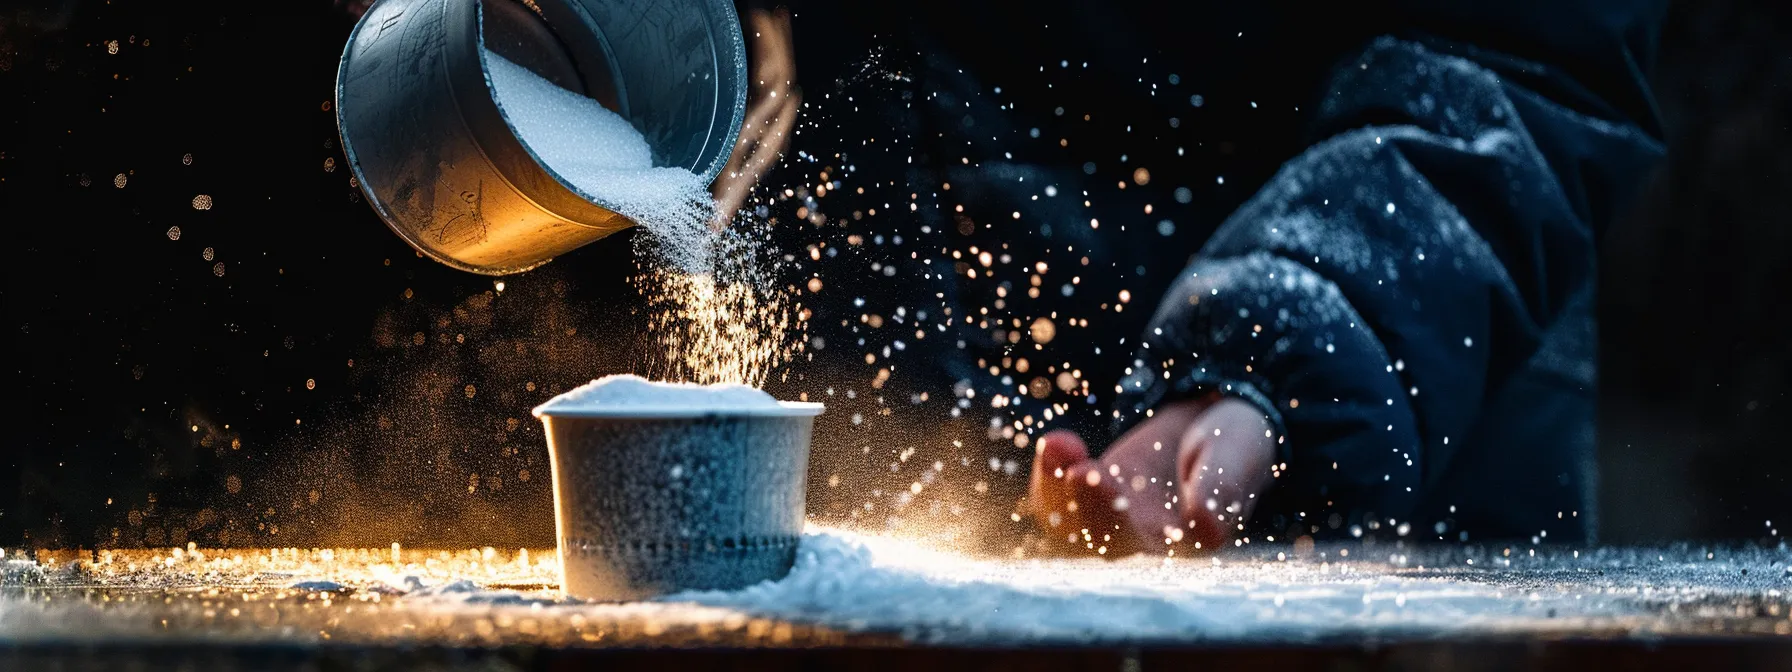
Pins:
x,y
714,303
604,156
627,391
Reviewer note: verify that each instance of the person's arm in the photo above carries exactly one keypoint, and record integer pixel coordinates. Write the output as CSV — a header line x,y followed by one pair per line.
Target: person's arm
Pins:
x,y
1371,303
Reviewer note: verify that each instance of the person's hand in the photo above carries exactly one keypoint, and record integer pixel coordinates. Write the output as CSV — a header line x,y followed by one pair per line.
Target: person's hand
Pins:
x,y
772,100
1186,478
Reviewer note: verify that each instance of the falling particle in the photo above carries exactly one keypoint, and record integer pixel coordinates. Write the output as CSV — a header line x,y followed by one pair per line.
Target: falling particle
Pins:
x,y
208,254
1468,342
218,269
119,180
112,46
1141,177
86,181
1043,330
330,164
498,285
470,390
310,383
1390,208
530,386
174,233
202,202
186,159
814,285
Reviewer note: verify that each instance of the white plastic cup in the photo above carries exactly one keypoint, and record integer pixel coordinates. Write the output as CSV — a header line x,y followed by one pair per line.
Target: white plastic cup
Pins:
x,y
655,501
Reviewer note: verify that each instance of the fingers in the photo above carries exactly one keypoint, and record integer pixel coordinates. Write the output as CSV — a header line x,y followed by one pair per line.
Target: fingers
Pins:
x,y
1060,449
763,139
770,116
1095,511
775,135
1223,464
1122,503
1072,499
1057,453
772,44
1188,476
1140,471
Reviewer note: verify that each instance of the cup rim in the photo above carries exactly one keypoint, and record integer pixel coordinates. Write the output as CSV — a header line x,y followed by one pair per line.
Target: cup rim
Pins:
x,y
785,409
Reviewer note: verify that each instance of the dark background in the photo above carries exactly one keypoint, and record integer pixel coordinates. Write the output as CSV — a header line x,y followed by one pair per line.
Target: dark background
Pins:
x,y
285,371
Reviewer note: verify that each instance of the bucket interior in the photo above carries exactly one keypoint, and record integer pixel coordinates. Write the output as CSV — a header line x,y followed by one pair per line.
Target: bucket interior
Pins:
x,y
672,71
511,29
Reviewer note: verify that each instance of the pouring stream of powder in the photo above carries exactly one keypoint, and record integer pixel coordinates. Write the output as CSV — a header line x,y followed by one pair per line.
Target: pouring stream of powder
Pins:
x,y
603,156
715,307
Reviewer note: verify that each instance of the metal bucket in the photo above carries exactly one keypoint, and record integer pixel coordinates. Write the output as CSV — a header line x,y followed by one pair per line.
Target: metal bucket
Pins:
x,y
648,503
441,163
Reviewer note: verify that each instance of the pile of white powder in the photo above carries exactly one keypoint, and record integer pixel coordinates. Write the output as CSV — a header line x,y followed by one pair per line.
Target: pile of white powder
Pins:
x,y
858,583
634,393
606,157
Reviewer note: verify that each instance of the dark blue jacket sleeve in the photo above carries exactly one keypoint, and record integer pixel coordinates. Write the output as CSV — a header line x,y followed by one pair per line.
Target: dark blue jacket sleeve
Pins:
x,y
1410,302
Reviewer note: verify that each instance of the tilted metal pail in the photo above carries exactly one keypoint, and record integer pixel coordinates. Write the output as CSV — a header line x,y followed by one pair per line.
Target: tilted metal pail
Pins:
x,y
442,164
